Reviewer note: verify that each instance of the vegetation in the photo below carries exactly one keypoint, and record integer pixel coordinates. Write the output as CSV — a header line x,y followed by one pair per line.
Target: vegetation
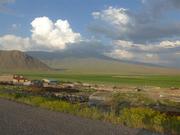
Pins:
x,y
133,80
133,117
138,117
110,79
124,100
150,119
11,87
139,99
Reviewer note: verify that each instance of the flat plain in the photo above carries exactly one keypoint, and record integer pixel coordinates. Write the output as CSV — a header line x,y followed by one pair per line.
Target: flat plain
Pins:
x,y
113,79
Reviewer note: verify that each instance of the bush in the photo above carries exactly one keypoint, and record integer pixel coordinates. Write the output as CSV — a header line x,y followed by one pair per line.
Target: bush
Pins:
x,y
150,119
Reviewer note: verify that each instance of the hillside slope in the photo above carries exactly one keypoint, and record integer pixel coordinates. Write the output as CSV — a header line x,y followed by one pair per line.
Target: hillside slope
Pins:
x,y
95,65
98,64
16,60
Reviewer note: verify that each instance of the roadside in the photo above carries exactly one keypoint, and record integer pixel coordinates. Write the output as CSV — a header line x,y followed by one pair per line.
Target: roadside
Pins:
x,y
138,117
21,119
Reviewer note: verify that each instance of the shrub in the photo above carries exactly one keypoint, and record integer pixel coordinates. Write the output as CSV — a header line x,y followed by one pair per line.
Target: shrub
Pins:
x,y
150,119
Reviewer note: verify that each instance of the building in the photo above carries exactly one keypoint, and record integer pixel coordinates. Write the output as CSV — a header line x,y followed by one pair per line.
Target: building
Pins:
x,y
50,82
6,79
27,83
37,83
19,80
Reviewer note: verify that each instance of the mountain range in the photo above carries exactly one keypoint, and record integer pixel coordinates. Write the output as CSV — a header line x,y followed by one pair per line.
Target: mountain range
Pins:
x,y
85,63
76,63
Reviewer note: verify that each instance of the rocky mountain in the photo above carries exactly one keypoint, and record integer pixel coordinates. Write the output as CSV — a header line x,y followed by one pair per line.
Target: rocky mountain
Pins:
x,y
17,60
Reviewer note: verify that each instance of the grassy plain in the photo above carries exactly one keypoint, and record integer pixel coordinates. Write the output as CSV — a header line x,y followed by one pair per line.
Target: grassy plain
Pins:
x,y
112,79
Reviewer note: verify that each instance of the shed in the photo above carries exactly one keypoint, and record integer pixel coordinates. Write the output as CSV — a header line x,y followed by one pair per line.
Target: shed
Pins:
x,y
51,81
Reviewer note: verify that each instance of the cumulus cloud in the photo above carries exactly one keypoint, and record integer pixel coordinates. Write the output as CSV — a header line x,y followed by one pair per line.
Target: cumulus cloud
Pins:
x,y
163,52
11,42
113,15
159,47
117,22
143,35
146,25
120,54
142,57
46,36
51,34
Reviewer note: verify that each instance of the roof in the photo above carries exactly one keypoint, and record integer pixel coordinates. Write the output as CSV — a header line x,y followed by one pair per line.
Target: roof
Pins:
x,y
19,77
50,80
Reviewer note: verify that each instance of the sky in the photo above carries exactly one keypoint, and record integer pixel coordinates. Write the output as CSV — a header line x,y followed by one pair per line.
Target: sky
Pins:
x,y
146,31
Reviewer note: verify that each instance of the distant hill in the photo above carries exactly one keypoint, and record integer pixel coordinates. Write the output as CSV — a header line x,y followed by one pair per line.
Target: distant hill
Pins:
x,y
17,60
98,64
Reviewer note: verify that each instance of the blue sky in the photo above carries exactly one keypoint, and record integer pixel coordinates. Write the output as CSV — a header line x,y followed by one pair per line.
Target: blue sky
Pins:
x,y
134,30
77,12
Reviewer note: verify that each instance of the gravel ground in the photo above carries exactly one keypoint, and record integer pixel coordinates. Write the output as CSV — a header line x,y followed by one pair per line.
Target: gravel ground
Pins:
x,y
21,119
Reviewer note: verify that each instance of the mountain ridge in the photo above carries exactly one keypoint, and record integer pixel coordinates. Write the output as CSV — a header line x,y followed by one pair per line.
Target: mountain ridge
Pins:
x,y
17,60
74,63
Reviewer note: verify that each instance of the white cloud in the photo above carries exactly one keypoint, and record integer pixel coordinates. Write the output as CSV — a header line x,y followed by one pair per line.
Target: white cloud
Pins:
x,y
11,42
153,47
141,26
169,44
143,57
155,53
116,16
149,55
53,35
112,22
120,54
123,43
46,36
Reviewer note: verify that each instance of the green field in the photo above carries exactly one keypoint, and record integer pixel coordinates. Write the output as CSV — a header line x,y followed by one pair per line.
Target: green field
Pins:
x,y
106,79
118,80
